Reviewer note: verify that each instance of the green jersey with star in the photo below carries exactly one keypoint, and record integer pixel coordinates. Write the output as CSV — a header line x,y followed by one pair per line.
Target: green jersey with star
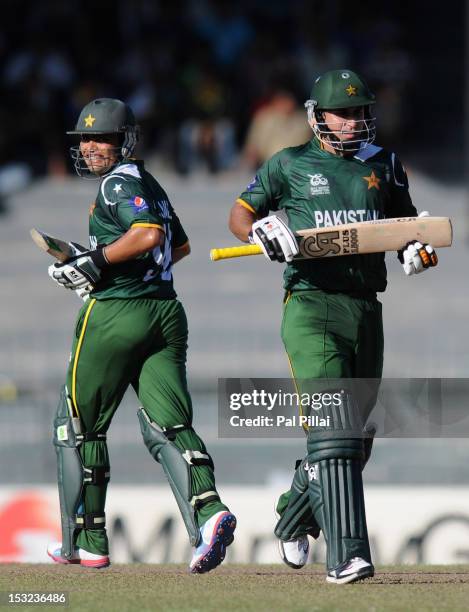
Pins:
x,y
319,189
130,197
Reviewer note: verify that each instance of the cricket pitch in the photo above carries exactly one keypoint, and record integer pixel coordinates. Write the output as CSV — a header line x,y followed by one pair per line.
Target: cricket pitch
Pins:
x,y
256,588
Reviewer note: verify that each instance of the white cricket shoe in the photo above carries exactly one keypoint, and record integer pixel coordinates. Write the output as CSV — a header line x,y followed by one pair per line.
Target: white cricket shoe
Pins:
x,y
351,570
294,553
83,557
215,535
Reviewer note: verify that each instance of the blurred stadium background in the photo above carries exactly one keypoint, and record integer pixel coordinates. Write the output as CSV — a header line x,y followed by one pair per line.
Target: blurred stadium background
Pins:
x,y
216,87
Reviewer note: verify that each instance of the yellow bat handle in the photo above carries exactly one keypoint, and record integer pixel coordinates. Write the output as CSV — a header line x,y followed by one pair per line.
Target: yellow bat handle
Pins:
x,y
238,251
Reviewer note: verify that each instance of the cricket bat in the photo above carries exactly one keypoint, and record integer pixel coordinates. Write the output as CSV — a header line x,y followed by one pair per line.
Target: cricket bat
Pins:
x,y
56,247
60,249
358,238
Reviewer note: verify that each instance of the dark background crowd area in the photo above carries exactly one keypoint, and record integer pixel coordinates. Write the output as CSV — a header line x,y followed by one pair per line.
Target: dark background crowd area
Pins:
x,y
197,71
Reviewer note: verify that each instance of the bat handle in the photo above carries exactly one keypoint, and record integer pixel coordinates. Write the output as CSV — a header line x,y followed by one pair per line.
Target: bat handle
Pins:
x,y
238,251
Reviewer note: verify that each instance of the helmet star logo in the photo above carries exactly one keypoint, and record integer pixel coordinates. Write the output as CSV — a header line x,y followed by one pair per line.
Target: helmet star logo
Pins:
x,y
372,180
89,120
351,90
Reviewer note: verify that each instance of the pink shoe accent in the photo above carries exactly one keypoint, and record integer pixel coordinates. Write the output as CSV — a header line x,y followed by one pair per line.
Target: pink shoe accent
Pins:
x,y
96,563
62,560
209,555
217,526
82,557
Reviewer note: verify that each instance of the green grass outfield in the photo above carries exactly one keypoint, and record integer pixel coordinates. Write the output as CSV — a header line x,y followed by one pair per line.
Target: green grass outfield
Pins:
x,y
271,588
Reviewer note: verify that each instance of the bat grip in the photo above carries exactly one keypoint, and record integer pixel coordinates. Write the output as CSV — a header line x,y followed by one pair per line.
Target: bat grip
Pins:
x,y
238,251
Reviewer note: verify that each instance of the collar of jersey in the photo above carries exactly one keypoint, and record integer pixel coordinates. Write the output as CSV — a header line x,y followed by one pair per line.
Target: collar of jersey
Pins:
x,y
117,169
317,148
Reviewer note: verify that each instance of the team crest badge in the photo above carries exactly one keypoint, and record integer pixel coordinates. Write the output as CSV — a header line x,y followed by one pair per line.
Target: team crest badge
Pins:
x,y
351,90
372,180
89,120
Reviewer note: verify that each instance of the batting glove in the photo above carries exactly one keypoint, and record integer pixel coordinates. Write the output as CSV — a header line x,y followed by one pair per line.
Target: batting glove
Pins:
x,y
79,272
416,257
275,239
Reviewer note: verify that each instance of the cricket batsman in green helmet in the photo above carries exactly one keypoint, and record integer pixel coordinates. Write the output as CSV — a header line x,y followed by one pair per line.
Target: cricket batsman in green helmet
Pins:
x,y
131,331
332,323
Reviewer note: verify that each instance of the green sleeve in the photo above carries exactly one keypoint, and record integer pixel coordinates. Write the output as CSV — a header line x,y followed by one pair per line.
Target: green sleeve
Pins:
x,y
266,189
129,203
179,235
400,204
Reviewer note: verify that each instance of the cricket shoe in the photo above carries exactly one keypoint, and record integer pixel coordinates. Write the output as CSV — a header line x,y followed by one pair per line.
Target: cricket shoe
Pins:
x,y
215,535
294,553
351,571
83,557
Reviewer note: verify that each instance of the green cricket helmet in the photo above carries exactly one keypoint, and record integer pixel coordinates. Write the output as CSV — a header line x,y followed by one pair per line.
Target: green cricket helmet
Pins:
x,y
105,116
336,90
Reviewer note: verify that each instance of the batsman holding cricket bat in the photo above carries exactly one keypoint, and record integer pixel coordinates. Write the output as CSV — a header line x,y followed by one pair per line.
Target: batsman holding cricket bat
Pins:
x,y
332,323
131,331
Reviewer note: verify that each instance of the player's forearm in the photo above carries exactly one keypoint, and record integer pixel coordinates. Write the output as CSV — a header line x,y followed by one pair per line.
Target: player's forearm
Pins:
x,y
179,253
241,220
136,241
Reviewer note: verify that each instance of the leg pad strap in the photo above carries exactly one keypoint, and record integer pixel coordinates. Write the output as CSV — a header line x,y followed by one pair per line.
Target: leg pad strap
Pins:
x,y
97,475
91,520
326,446
200,500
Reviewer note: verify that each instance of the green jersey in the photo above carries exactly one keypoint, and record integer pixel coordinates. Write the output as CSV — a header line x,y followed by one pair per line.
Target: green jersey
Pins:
x,y
130,197
319,189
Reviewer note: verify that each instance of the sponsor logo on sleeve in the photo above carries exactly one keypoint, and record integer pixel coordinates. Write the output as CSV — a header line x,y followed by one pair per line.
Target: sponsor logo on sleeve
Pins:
x,y
138,204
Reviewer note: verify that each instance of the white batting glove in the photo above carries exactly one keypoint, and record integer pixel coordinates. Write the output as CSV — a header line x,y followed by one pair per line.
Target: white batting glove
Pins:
x,y
77,274
416,257
275,239
81,271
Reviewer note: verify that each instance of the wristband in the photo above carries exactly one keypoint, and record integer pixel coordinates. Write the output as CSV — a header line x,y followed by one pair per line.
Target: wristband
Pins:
x,y
98,257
